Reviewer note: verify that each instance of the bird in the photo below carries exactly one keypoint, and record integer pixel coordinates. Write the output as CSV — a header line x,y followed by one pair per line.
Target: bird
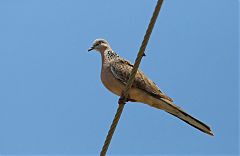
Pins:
x,y
115,72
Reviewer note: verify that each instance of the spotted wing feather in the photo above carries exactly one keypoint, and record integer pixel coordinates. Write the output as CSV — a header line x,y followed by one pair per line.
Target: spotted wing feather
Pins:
x,y
121,69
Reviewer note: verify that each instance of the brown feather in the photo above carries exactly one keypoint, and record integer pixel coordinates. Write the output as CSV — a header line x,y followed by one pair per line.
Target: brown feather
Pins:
x,y
121,69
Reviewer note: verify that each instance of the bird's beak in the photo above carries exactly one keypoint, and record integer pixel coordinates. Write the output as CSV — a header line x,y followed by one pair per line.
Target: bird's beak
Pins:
x,y
90,49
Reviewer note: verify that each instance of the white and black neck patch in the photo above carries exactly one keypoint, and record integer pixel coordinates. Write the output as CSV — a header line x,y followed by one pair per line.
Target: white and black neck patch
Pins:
x,y
111,55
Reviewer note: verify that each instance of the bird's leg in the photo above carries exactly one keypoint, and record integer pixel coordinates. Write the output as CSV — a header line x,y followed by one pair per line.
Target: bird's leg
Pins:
x,y
121,100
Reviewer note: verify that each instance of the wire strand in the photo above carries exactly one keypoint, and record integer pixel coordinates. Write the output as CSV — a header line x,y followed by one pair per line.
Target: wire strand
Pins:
x,y
123,98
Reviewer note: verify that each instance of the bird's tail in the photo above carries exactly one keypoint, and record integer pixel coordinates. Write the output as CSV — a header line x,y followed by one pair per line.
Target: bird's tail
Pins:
x,y
171,108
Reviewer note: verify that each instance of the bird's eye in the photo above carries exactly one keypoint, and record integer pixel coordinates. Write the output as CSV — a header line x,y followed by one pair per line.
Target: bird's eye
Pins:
x,y
96,44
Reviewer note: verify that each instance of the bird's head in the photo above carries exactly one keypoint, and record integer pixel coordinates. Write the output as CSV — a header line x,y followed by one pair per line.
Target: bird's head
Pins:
x,y
99,45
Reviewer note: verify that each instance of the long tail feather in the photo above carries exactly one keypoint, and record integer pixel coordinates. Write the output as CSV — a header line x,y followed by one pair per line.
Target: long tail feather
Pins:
x,y
171,108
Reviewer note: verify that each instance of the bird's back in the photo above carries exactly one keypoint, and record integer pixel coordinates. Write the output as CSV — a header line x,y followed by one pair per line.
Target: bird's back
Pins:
x,y
122,68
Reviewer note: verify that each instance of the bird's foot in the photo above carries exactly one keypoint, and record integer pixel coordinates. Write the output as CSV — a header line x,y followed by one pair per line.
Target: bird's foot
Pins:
x,y
121,100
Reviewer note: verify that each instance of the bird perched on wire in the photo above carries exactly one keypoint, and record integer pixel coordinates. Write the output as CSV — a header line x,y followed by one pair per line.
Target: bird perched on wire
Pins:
x,y
115,74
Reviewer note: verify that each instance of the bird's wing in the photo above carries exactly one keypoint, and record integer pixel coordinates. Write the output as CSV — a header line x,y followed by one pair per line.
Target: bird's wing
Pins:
x,y
121,69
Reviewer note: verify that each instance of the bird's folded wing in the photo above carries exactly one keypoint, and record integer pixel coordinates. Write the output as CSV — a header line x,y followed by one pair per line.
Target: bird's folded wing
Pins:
x,y
121,69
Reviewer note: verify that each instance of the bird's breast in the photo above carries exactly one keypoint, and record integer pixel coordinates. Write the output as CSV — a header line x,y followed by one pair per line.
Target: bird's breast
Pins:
x,y
110,82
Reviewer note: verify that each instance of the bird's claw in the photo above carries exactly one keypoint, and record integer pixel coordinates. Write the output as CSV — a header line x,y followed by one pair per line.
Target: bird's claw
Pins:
x,y
121,100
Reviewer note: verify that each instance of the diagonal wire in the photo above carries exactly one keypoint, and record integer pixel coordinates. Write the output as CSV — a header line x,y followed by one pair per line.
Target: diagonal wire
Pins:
x,y
123,98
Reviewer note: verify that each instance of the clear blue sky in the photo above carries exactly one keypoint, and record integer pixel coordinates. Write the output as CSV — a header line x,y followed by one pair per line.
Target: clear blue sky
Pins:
x,y
51,97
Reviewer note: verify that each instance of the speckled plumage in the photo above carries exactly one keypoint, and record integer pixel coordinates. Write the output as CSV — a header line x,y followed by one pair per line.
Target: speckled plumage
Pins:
x,y
115,74
121,69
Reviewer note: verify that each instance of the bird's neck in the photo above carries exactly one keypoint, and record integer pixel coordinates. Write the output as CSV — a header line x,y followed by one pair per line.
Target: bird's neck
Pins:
x,y
108,55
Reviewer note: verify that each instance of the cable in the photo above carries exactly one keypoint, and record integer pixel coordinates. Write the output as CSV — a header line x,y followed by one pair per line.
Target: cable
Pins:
x,y
123,98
